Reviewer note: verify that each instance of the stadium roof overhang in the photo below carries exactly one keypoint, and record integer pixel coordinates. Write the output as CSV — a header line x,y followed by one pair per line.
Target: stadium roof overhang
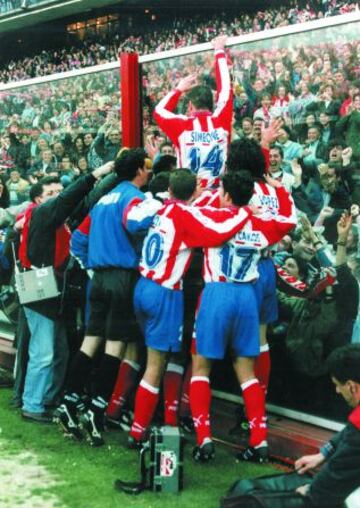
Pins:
x,y
45,12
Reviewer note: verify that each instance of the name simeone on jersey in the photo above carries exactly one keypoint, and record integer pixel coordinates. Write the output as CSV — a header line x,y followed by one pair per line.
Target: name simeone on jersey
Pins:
x,y
204,137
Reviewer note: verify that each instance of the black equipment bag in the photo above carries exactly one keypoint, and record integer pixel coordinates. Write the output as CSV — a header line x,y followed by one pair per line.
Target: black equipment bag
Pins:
x,y
273,491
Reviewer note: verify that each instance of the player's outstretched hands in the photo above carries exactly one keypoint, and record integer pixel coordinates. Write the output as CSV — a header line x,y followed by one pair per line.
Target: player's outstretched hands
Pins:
x,y
185,84
219,42
308,462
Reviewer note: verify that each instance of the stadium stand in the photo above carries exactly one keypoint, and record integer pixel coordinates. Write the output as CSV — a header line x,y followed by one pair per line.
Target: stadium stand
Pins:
x,y
180,32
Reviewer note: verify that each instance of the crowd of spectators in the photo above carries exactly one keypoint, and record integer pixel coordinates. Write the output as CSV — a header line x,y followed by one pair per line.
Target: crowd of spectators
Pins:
x,y
64,126
67,128
180,32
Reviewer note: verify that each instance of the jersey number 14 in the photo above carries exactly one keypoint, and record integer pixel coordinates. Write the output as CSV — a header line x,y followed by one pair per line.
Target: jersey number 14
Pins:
x,y
212,161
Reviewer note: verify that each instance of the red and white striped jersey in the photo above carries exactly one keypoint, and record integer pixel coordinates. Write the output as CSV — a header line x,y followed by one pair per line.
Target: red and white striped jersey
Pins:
x,y
201,140
237,260
264,197
175,230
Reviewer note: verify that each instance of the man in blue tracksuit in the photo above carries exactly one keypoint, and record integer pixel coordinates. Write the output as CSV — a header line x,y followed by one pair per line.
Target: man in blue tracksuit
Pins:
x,y
104,245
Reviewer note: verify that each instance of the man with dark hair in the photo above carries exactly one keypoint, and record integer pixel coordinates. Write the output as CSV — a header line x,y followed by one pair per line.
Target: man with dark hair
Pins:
x,y
48,186
315,151
246,153
246,127
164,163
340,153
45,242
328,132
167,251
159,183
57,153
200,139
201,97
228,313
103,244
277,170
166,148
339,475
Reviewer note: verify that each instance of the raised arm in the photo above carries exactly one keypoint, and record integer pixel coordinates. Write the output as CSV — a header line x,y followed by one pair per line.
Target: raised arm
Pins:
x,y
171,123
224,103
211,227
139,214
55,211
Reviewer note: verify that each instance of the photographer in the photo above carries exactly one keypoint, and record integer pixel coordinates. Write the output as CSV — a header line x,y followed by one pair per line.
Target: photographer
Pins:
x,y
45,242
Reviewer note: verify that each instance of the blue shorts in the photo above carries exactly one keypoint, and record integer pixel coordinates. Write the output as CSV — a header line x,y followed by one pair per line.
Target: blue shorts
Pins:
x,y
228,316
265,289
160,314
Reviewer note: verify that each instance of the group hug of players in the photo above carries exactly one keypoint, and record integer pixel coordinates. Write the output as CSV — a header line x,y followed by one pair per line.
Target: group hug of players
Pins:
x,y
139,248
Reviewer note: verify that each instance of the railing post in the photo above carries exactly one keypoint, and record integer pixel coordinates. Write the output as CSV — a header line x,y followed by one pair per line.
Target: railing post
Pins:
x,y
130,100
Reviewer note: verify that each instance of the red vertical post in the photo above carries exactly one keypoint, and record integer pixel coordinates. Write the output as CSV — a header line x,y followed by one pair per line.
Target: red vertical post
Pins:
x,y
130,100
